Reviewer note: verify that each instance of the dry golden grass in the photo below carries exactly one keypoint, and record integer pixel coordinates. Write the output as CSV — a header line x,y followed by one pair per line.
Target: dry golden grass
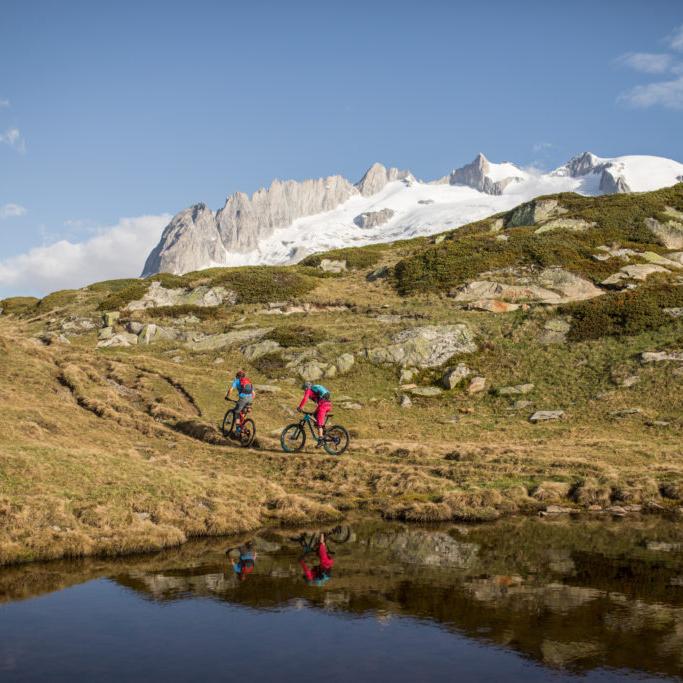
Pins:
x,y
118,450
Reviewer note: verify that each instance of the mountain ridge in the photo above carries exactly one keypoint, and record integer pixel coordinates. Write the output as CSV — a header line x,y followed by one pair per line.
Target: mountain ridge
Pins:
x,y
291,219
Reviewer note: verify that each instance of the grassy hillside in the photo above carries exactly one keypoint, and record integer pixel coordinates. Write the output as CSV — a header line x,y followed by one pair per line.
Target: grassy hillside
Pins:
x,y
115,448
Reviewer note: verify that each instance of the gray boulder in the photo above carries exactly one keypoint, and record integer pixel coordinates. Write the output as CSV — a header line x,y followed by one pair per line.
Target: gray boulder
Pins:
x,y
425,347
226,339
670,234
158,295
454,376
426,391
120,339
332,266
260,348
373,219
534,212
546,415
344,363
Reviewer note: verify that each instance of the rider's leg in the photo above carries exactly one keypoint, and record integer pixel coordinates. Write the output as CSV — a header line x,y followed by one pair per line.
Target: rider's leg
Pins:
x,y
321,411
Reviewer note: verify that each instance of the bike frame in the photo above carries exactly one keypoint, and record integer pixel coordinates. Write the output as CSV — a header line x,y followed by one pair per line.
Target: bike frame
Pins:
x,y
308,419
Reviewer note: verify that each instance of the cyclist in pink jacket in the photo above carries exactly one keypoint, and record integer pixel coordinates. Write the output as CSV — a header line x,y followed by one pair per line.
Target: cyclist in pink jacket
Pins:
x,y
317,393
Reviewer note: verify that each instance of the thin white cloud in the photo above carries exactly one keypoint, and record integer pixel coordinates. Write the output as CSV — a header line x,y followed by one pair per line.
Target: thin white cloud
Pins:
x,y
675,39
11,210
115,252
4,104
663,93
646,62
542,146
13,138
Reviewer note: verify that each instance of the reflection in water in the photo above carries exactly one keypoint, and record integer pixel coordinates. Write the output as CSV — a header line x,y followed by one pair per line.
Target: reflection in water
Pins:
x,y
570,595
242,559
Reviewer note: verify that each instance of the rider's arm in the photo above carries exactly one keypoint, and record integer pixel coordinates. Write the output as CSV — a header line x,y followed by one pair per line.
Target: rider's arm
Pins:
x,y
230,388
307,394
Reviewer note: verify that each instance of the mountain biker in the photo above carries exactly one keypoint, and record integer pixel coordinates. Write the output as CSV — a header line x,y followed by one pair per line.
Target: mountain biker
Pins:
x,y
317,393
245,394
322,572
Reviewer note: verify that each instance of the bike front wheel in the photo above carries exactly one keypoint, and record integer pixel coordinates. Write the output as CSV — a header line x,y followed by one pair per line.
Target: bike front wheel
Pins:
x,y
293,438
247,433
336,440
228,425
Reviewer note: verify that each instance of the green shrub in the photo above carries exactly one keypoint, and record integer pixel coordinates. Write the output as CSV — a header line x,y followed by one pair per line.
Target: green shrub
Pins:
x,y
119,298
471,250
113,285
627,313
356,258
261,284
16,305
58,299
296,335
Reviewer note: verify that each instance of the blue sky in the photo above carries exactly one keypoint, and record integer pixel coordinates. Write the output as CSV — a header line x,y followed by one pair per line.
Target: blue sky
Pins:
x,y
138,109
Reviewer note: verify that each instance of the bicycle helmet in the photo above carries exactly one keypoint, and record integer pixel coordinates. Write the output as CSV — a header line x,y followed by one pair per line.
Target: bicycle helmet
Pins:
x,y
306,385
239,374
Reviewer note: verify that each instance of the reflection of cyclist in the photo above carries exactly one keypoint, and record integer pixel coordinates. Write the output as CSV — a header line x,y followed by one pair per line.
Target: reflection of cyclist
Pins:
x,y
246,562
245,395
317,393
322,572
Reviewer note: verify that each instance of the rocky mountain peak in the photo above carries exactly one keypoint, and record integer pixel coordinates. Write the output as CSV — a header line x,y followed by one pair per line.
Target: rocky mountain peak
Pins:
x,y
582,164
476,174
377,176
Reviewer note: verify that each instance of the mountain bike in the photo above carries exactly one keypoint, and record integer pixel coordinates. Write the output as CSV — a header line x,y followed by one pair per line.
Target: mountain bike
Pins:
x,y
237,426
293,437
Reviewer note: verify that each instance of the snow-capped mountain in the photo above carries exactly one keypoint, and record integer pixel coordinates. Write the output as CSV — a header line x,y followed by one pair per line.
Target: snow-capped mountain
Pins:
x,y
291,219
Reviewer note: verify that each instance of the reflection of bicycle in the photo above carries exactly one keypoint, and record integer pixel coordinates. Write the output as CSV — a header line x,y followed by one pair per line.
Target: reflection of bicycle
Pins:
x,y
309,541
293,437
237,426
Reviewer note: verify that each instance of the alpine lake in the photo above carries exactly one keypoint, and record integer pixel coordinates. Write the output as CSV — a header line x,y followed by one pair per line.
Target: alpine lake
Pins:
x,y
522,599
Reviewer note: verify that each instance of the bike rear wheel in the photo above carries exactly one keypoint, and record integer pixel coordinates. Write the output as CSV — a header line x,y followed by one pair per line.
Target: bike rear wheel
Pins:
x,y
340,534
228,425
336,440
293,438
247,433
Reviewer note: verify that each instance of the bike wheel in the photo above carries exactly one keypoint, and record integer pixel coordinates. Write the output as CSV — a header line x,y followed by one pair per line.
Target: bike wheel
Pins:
x,y
293,438
336,440
228,423
247,433
340,534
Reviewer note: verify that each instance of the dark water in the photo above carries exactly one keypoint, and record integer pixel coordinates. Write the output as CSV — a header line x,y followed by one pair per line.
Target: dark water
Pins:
x,y
521,600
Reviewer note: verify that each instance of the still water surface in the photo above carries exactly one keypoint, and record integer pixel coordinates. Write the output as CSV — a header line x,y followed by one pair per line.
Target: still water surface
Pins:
x,y
519,600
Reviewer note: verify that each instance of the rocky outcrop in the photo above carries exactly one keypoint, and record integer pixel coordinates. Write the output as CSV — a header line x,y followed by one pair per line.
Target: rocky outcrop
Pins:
x,y
227,339
670,234
158,295
372,219
377,176
189,242
582,165
613,183
611,179
550,286
476,175
425,347
534,212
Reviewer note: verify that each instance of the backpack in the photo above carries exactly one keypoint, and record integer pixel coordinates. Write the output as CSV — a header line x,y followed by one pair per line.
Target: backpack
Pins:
x,y
246,387
320,391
